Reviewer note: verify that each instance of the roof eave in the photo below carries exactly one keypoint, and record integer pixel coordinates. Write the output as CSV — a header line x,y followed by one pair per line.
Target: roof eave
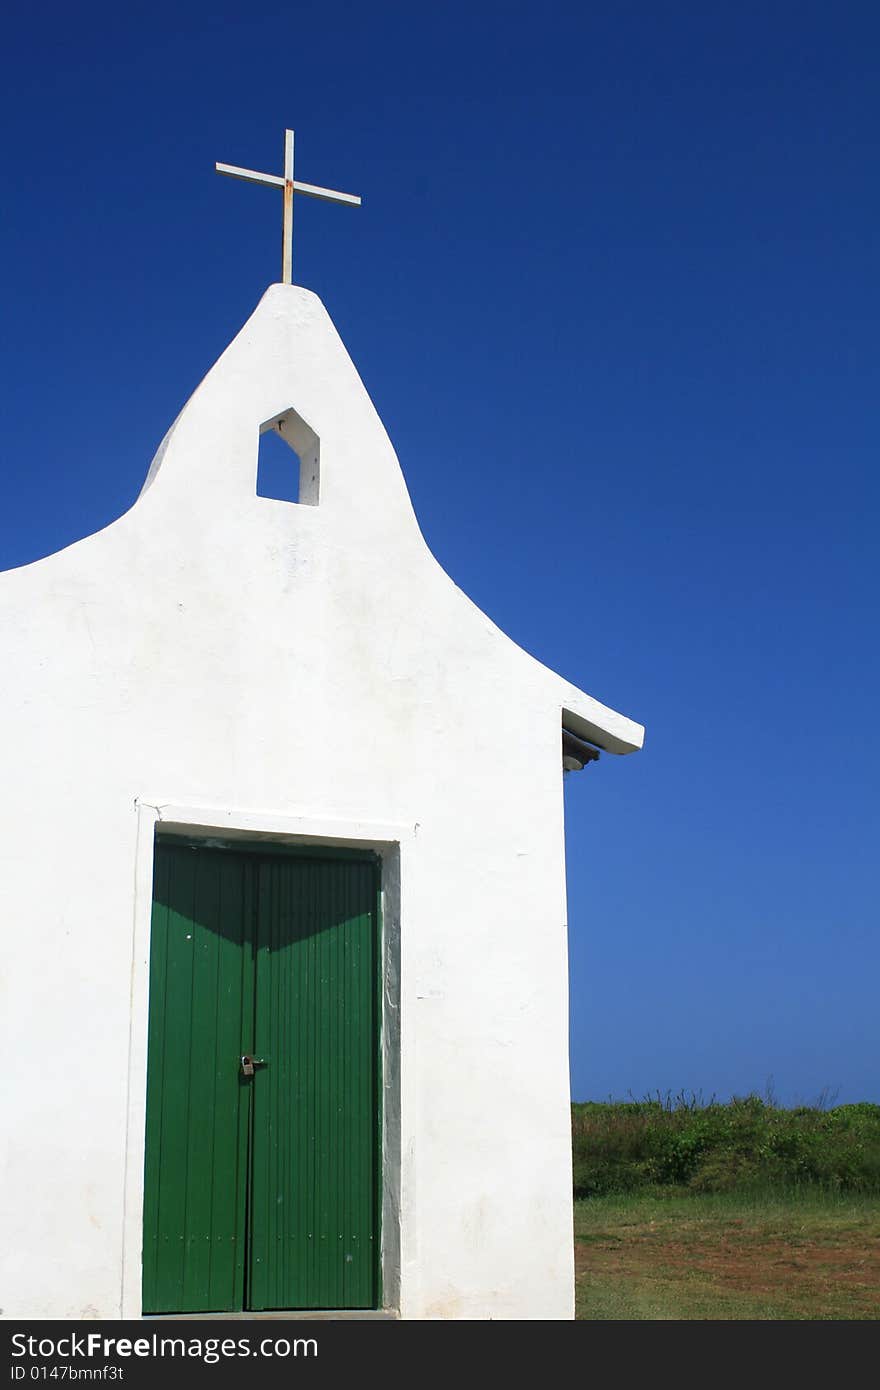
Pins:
x,y
595,723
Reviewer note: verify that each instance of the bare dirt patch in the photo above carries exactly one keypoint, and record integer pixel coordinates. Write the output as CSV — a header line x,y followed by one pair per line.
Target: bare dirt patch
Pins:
x,y
729,1268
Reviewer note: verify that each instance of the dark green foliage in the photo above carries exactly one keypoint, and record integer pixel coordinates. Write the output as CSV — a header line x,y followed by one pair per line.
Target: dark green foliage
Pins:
x,y
683,1142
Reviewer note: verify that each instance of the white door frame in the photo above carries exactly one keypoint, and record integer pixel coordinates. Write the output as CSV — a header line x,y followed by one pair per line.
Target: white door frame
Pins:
x,y
391,843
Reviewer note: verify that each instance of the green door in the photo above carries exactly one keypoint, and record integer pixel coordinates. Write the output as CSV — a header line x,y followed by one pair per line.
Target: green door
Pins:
x,y
261,1189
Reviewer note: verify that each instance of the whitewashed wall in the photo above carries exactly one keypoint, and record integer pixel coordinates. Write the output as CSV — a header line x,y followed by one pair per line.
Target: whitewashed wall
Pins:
x,y
306,670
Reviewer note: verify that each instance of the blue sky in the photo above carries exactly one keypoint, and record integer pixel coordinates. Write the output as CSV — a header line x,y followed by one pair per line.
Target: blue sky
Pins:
x,y
614,290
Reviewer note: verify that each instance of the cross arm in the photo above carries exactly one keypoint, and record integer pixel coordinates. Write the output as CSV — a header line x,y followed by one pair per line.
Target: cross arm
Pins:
x,y
327,195
249,175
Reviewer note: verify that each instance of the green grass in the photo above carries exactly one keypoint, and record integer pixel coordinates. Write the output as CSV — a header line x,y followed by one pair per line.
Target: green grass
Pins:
x,y
664,1254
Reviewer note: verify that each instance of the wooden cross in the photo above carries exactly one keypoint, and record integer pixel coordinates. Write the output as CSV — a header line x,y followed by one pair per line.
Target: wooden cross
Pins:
x,y
290,186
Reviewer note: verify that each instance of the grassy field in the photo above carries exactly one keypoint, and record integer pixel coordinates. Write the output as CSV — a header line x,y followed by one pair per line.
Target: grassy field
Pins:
x,y
669,1254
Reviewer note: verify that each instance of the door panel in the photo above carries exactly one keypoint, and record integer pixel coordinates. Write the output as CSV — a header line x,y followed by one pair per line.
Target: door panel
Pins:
x,y
201,1007
262,1192
314,1192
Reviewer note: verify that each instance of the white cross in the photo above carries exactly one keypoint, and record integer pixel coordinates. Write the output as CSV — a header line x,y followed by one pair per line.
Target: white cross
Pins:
x,y
290,186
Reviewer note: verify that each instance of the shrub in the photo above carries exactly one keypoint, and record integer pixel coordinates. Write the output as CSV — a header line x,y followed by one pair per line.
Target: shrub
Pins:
x,y
709,1147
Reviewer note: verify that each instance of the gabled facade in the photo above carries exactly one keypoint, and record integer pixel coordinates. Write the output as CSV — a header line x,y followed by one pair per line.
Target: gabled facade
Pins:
x,y
252,800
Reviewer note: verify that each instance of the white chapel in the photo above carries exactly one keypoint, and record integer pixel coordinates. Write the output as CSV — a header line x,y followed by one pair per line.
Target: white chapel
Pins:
x,y
285,985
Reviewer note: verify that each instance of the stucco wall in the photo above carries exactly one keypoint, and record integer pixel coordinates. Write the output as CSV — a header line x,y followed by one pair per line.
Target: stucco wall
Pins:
x,y
301,666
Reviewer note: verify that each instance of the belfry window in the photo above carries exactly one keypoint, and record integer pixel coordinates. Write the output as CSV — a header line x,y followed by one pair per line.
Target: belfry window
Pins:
x,y
288,462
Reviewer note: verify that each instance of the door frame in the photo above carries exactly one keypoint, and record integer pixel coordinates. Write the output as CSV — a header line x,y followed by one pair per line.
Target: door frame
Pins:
x,y
390,843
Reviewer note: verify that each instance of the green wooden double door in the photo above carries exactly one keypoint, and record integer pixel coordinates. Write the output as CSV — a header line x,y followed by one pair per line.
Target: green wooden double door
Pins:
x,y
262,1173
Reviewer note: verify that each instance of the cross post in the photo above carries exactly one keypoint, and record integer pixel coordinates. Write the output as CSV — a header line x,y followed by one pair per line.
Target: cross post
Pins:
x,y
289,186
